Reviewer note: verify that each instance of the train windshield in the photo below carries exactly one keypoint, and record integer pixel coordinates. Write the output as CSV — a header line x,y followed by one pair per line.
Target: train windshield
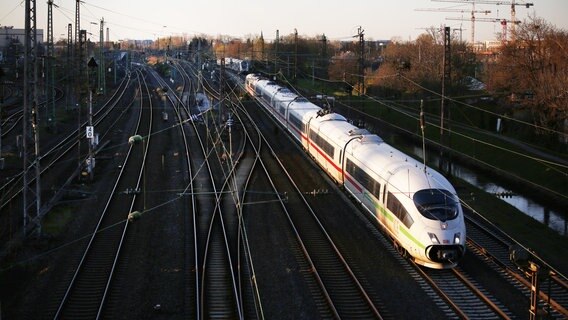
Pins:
x,y
437,204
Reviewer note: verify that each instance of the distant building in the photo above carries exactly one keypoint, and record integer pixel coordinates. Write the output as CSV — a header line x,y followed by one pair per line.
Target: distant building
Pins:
x,y
488,46
9,34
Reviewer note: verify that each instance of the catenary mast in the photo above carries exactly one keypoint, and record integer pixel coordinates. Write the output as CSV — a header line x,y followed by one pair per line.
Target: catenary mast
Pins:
x,y
30,134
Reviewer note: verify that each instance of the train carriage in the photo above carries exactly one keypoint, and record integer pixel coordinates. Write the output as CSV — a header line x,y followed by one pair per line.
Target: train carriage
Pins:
x,y
239,66
414,204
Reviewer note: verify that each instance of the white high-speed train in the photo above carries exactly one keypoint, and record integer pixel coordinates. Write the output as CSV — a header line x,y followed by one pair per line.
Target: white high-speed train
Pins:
x,y
416,205
237,65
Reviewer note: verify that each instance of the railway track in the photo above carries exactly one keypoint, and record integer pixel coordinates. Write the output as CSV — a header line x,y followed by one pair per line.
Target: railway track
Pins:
x,y
57,161
215,254
55,152
337,291
500,251
191,275
464,296
339,287
86,294
231,178
479,300
15,115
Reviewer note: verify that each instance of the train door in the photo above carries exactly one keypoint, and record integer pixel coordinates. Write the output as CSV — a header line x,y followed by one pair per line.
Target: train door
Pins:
x,y
308,134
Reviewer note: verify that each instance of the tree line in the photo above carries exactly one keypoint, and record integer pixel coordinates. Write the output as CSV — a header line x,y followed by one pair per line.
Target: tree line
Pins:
x,y
526,77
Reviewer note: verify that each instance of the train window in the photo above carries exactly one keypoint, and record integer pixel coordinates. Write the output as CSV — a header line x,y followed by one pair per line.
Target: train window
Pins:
x,y
322,143
436,204
394,205
296,122
407,220
266,97
363,178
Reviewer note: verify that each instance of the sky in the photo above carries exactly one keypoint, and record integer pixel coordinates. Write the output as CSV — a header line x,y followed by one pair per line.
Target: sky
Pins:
x,y
338,20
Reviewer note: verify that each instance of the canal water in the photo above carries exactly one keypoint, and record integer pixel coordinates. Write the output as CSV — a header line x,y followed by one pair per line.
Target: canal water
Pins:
x,y
555,220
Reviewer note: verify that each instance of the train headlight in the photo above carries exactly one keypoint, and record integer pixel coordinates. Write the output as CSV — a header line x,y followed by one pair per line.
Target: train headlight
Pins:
x,y
433,238
457,238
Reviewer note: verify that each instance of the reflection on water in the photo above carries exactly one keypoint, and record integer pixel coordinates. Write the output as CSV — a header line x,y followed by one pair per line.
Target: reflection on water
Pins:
x,y
551,218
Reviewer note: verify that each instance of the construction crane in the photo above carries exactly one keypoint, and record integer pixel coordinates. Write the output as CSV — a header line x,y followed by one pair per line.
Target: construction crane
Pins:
x,y
473,12
512,3
503,23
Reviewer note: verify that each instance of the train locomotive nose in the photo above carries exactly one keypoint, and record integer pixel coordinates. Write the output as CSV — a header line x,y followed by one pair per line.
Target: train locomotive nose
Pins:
x,y
444,254
447,255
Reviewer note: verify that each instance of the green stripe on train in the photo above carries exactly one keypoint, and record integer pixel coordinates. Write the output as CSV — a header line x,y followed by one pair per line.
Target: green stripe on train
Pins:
x,y
391,218
378,206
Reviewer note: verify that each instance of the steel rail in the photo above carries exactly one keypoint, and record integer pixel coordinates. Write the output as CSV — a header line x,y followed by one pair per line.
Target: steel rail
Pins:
x,y
64,305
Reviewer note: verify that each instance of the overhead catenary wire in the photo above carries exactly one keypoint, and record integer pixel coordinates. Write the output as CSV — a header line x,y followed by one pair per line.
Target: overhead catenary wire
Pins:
x,y
521,154
483,110
551,164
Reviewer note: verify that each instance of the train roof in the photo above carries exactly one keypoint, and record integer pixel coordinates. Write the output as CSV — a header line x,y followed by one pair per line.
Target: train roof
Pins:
x,y
270,87
285,95
303,108
403,172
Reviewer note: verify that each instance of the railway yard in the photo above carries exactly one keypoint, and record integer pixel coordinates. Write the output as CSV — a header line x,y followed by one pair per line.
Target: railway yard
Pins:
x,y
202,206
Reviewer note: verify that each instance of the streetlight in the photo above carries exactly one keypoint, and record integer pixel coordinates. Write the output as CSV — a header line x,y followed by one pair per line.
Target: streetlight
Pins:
x,y
137,139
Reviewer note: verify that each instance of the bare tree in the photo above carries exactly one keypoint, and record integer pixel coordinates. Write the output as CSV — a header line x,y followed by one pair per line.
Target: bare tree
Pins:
x,y
534,69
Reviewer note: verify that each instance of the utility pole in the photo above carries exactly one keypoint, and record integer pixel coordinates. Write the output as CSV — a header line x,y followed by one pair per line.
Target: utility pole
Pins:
x,y
323,60
324,45
295,53
50,67
276,51
252,50
77,57
361,82
90,130
263,56
102,80
68,66
78,84
445,162
31,165
1,103
221,88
